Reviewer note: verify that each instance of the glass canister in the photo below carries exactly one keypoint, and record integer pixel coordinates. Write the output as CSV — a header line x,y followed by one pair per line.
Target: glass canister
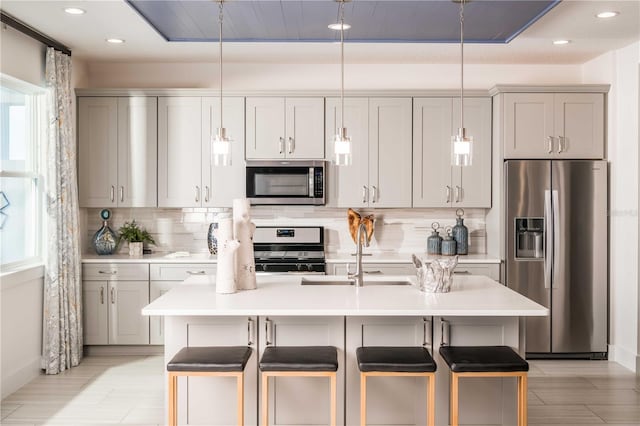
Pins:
x,y
105,240
461,234
434,242
448,243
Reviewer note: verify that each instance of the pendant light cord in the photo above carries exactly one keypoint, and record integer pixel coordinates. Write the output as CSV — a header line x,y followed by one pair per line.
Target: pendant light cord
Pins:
x,y
220,16
342,62
462,64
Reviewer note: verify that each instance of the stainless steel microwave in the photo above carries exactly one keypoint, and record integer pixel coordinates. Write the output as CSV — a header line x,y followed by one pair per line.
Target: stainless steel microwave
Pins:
x,y
286,182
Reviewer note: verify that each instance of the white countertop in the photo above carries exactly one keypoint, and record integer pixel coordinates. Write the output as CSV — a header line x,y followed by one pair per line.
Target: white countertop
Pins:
x,y
150,258
283,295
395,257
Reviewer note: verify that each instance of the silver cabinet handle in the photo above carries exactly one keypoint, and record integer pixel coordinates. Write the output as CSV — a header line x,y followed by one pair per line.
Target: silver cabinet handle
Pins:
x,y
462,272
197,194
196,272
102,295
445,331
374,197
281,145
561,144
371,272
549,144
251,332
206,193
448,194
458,193
292,146
121,194
364,193
113,193
108,272
113,295
426,326
268,328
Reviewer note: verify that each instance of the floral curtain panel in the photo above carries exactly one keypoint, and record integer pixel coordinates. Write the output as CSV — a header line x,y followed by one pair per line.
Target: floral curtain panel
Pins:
x,y
62,288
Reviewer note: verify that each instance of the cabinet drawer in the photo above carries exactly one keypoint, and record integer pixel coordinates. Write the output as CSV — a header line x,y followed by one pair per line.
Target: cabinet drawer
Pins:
x,y
489,270
180,272
115,271
378,268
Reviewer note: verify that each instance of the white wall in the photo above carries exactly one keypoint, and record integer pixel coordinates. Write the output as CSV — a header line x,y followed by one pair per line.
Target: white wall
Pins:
x,y
620,69
323,76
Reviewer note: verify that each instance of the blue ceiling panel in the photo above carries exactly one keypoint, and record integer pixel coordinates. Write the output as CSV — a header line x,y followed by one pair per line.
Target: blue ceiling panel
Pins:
x,y
394,21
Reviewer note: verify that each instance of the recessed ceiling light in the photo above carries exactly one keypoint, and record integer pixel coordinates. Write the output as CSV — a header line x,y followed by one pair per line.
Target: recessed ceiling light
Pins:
x,y
605,15
561,42
74,11
338,26
115,40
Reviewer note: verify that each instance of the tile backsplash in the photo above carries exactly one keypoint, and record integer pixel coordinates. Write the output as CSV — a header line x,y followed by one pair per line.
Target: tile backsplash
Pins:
x,y
396,230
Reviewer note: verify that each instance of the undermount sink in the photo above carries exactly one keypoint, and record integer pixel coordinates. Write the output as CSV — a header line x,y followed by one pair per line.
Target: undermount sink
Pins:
x,y
329,280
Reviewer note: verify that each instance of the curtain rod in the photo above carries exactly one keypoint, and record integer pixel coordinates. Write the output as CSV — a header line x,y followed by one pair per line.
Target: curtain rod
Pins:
x,y
33,33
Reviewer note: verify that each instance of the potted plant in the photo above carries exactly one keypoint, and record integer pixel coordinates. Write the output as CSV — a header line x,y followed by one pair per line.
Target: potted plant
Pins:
x,y
135,236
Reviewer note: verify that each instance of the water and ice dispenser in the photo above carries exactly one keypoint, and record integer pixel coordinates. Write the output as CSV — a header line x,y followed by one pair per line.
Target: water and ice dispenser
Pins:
x,y
529,238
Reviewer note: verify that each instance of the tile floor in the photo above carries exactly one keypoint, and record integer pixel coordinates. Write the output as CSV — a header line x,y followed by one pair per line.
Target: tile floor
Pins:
x,y
129,390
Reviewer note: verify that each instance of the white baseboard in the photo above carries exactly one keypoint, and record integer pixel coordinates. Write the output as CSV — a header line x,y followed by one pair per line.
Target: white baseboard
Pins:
x,y
123,350
624,357
17,379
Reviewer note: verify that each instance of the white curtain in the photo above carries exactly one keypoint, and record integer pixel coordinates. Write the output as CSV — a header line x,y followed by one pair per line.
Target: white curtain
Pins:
x,y
62,288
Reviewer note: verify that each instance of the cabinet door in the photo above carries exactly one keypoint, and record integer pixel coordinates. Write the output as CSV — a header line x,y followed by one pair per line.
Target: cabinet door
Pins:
x,y
95,313
127,326
579,123
390,400
488,270
304,128
528,125
265,128
97,151
303,400
179,152
390,152
156,324
472,184
212,400
221,184
137,152
432,124
348,186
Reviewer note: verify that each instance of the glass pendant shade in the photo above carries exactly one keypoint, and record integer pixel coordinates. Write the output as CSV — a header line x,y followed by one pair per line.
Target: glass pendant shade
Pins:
x,y
461,149
342,148
221,148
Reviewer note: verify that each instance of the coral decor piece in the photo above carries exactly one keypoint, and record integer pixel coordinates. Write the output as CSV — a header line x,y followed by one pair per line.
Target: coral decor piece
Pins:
x,y
437,276
355,219
227,248
243,230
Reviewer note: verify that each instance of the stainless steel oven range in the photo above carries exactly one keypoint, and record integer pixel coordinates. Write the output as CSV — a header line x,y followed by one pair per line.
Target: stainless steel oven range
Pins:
x,y
297,249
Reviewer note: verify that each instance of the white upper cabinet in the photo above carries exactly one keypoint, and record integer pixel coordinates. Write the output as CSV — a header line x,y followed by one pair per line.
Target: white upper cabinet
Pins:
x,y
180,152
280,128
436,183
553,125
117,151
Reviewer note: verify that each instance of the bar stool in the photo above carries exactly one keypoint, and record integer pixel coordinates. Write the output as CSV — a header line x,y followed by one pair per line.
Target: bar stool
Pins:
x,y
398,362
298,361
486,361
222,361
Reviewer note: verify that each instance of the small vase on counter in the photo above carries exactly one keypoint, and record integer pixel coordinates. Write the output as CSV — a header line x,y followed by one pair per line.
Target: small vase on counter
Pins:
x,y
105,240
448,243
461,234
434,242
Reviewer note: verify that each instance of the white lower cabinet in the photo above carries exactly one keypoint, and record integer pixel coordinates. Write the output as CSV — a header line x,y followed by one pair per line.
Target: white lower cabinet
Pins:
x,y
212,400
375,268
304,400
390,400
95,312
156,324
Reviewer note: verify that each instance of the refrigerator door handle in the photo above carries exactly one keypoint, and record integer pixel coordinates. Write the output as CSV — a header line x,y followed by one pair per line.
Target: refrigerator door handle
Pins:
x,y
548,238
556,232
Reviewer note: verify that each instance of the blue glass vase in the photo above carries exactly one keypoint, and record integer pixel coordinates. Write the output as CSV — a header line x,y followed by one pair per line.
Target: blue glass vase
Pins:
x,y
105,240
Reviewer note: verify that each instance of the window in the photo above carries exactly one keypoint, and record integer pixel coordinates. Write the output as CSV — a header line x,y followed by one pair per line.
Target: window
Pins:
x,y
21,204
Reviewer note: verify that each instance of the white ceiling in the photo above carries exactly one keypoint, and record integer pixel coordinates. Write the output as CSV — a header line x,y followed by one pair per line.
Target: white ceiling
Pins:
x,y
572,19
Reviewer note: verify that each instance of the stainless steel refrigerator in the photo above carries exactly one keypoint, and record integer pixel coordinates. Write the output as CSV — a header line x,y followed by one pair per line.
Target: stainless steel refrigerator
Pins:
x,y
557,252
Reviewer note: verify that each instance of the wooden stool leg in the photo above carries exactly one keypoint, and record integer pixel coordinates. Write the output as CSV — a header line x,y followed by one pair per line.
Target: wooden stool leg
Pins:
x,y
454,399
173,399
265,399
240,398
431,399
334,399
522,400
363,399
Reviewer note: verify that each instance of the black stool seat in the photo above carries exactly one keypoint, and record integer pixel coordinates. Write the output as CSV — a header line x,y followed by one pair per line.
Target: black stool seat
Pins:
x,y
480,359
210,359
395,359
299,358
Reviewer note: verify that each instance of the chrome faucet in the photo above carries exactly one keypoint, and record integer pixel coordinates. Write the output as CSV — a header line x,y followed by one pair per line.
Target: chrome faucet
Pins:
x,y
358,276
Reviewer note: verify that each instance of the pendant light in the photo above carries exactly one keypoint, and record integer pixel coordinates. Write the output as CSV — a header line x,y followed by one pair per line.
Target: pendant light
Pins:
x,y
341,142
220,142
461,144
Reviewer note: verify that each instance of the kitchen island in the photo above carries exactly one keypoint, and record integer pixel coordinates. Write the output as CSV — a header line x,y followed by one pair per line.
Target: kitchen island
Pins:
x,y
478,311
